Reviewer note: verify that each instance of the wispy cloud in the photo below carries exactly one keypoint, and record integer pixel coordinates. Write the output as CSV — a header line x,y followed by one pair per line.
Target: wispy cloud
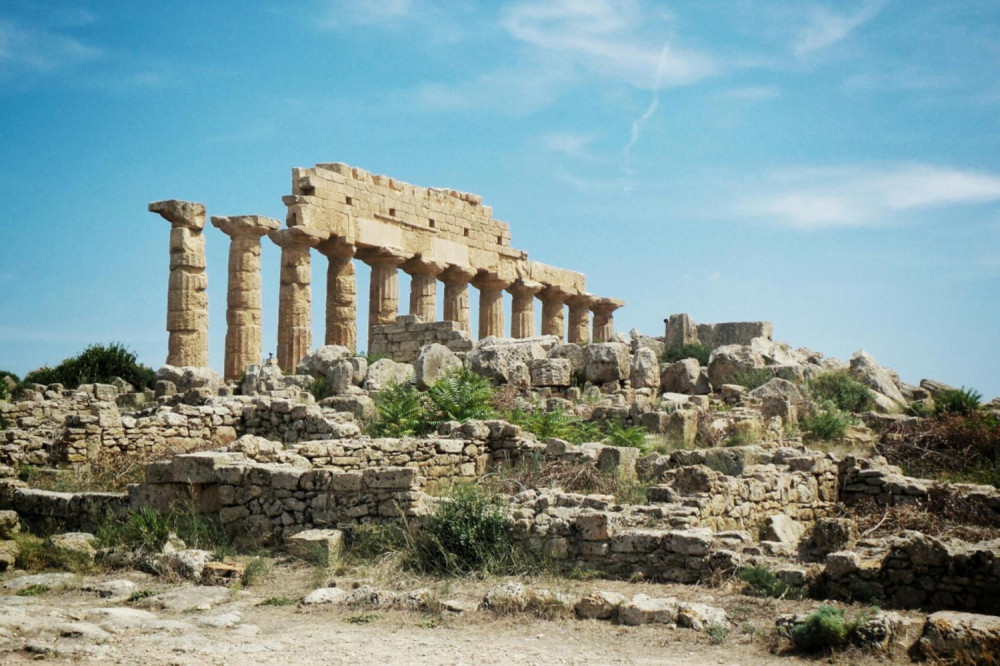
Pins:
x,y
827,27
28,50
568,143
862,196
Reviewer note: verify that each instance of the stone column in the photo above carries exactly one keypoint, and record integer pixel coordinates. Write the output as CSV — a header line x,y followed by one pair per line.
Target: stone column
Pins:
x,y
243,318
522,316
383,293
341,294
490,287
604,320
553,298
579,318
423,286
295,294
456,296
187,301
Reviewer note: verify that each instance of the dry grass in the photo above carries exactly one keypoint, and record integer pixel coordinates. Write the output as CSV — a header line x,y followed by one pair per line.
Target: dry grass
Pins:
x,y
573,477
945,515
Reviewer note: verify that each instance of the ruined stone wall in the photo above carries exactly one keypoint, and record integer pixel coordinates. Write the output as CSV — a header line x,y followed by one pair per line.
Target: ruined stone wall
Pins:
x,y
402,341
681,329
50,510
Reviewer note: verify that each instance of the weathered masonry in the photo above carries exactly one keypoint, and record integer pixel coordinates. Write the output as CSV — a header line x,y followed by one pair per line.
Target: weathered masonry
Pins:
x,y
345,213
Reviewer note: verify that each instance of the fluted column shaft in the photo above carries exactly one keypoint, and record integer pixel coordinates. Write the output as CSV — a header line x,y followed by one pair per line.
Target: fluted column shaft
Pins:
x,y
341,297
187,300
457,306
522,315
423,287
294,295
243,309
579,319
553,319
383,292
604,320
490,305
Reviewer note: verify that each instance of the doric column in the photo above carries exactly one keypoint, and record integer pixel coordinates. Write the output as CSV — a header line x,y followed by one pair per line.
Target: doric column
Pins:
x,y
423,286
522,315
383,294
579,318
604,320
187,301
243,318
553,297
456,296
295,294
490,287
341,294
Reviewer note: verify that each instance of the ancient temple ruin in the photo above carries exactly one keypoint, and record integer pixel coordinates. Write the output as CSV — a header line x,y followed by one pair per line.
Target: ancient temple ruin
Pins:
x,y
346,213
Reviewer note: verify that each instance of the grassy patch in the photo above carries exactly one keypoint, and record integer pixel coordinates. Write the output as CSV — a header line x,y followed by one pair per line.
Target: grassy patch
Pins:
x,y
829,423
278,601
33,590
961,401
571,476
680,351
147,530
760,581
257,569
828,629
363,618
717,633
839,388
752,378
139,595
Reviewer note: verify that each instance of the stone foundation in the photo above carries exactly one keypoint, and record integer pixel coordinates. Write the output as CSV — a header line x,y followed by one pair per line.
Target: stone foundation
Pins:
x,y
402,341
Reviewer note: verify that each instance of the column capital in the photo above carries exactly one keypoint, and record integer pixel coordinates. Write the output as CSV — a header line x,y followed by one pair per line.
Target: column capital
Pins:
x,y
179,213
525,288
606,305
337,246
383,256
296,237
581,300
487,280
420,266
553,293
455,274
245,226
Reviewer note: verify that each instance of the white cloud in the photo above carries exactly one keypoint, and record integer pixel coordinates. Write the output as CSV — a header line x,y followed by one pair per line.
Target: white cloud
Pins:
x,y
865,196
604,37
827,27
31,50
567,143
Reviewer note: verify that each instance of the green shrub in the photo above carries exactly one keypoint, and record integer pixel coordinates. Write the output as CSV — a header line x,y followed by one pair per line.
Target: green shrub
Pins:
x,y
761,582
33,590
828,424
829,629
363,618
461,395
320,388
617,434
401,412
33,554
717,633
96,364
147,530
370,541
844,392
257,569
279,601
139,595
753,378
679,351
961,401
469,531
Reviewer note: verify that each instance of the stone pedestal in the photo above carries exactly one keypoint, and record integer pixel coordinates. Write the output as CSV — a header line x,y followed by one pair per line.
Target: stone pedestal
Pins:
x,y
187,301
553,321
456,296
522,317
490,288
383,293
423,287
243,313
579,318
295,294
341,294
604,321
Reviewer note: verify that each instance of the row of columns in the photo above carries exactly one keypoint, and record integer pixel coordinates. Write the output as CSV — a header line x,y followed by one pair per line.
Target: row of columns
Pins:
x,y
187,301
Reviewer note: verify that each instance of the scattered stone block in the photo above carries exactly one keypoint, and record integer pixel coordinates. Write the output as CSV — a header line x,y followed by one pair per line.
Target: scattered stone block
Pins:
x,y
320,547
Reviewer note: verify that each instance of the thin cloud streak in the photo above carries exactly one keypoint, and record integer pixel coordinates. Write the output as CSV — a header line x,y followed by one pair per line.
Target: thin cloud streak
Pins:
x,y
827,28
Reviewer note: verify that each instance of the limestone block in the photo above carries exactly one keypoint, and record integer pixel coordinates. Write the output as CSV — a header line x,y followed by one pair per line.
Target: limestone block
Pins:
x,y
434,362
618,460
495,358
319,362
700,616
728,361
865,369
385,371
967,637
321,547
550,371
599,605
606,362
684,377
645,369
782,529
571,352
9,551
9,524
832,534
646,610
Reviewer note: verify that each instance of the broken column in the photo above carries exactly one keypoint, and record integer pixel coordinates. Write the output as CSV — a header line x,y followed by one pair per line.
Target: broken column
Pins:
x,y
490,286
423,287
243,312
295,294
456,296
383,293
579,318
341,294
187,301
553,297
522,318
604,320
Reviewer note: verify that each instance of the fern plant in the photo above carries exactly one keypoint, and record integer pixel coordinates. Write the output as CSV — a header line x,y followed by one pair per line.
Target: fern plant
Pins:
x,y
400,412
461,395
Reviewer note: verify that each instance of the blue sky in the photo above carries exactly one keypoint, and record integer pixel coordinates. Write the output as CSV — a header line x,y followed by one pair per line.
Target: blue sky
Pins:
x,y
833,167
